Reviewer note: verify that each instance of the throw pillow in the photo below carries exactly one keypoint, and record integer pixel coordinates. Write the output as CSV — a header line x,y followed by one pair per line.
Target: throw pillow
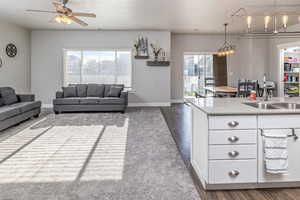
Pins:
x,y
9,96
107,88
95,90
115,91
81,90
69,91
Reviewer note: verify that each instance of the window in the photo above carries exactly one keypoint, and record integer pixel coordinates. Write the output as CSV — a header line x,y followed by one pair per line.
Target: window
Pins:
x,y
196,68
102,67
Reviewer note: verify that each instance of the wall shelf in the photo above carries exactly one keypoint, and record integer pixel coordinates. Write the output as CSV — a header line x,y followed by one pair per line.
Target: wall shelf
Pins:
x,y
158,63
141,57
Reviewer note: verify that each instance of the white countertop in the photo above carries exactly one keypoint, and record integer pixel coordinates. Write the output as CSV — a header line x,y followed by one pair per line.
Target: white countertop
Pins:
x,y
235,106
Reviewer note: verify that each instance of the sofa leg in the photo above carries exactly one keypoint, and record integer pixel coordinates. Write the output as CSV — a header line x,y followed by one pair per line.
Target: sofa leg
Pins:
x,y
56,112
36,116
123,112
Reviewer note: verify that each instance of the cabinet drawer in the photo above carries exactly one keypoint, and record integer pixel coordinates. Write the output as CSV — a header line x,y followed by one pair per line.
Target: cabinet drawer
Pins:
x,y
232,171
233,137
232,122
232,152
279,121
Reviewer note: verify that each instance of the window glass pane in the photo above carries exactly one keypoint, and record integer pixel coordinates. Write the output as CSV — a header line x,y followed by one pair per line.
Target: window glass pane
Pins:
x,y
102,67
98,67
73,63
123,68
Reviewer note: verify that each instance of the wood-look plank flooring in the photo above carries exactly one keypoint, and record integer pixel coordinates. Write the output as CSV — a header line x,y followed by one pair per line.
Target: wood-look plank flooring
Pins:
x,y
178,118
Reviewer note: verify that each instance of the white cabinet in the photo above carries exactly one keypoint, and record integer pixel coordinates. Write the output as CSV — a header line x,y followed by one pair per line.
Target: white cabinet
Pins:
x,y
280,123
227,151
237,171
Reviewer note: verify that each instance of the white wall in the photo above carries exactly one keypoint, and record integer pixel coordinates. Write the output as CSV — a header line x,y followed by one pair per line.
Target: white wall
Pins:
x,y
15,72
182,43
152,84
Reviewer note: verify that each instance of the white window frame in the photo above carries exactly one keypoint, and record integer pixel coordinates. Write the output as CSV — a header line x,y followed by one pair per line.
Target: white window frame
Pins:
x,y
65,50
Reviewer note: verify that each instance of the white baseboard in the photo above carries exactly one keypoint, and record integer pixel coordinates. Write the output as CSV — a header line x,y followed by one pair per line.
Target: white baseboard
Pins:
x,y
154,104
157,104
47,106
177,101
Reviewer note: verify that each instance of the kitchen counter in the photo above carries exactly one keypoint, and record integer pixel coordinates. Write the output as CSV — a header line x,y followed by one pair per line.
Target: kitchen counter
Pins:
x,y
227,150
235,106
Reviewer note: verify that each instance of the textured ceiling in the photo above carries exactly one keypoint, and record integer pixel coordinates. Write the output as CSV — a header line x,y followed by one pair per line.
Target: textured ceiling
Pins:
x,y
181,16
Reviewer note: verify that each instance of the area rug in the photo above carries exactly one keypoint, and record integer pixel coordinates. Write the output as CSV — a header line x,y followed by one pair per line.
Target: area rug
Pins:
x,y
89,156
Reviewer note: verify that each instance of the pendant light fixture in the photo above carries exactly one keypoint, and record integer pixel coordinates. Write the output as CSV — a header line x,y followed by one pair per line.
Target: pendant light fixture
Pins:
x,y
226,48
277,19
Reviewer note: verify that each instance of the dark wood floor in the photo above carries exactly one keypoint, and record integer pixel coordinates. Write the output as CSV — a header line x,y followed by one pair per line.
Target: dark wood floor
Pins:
x,y
178,118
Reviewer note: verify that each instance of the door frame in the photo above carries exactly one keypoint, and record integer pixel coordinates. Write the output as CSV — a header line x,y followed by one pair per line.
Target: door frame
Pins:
x,y
280,55
182,64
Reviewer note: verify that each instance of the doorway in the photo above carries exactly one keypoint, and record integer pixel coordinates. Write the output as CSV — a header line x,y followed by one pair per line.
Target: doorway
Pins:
x,y
198,67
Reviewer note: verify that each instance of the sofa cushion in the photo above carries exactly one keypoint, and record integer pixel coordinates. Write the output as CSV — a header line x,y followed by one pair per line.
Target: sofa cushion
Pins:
x,y
81,90
27,106
107,88
8,112
111,101
67,101
69,91
8,95
115,91
90,100
95,90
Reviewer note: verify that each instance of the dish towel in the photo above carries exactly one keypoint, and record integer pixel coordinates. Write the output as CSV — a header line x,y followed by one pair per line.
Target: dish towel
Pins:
x,y
275,151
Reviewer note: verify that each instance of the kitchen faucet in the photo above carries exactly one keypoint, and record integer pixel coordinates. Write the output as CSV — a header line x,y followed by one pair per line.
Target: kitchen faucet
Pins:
x,y
265,96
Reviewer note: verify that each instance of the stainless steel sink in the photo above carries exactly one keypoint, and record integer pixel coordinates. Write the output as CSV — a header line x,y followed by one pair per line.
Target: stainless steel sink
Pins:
x,y
270,106
259,105
287,105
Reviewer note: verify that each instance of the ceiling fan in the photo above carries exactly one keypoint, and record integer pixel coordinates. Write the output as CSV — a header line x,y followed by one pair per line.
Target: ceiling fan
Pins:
x,y
65,14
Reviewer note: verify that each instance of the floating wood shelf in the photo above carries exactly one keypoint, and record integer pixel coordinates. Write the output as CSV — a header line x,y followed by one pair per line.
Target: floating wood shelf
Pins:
x,y
158,63
141,57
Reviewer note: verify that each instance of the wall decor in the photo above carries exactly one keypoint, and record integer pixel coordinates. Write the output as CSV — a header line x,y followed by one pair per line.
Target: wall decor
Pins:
x,y
11,50
160,58
141,48
156,51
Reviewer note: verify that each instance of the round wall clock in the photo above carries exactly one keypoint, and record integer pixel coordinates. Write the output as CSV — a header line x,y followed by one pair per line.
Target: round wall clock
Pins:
x,y
11,50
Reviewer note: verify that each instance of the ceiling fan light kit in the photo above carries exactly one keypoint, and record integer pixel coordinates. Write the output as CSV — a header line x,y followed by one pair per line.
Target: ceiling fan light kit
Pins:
x,y
65,14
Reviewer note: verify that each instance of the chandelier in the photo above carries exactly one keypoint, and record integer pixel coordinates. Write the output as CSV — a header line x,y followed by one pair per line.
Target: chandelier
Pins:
x,y
226,49
273,20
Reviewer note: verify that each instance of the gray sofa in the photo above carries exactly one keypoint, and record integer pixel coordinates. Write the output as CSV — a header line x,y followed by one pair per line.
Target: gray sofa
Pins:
x,y
91,98
16,108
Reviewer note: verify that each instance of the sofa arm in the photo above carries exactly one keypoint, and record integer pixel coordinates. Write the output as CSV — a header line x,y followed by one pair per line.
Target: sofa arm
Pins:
x,y
25,97
124,95
59,94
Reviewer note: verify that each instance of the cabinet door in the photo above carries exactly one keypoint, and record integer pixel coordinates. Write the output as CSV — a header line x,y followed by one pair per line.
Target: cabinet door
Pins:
x,y
293,159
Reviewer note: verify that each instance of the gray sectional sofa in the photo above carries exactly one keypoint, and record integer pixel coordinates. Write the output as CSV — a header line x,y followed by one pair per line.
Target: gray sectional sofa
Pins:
x,y
16,108
91,98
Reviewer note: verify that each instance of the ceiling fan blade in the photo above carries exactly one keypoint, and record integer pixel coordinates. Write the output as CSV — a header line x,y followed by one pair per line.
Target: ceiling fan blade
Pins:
x,y
41,11
59,7
84,14
78,21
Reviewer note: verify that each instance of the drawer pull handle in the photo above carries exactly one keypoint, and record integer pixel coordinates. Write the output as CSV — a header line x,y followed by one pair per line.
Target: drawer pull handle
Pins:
x,y
234,173
233,139
233,124
233,154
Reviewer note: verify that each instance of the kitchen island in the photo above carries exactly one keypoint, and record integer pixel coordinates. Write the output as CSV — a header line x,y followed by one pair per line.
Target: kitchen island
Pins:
x,y
227,141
